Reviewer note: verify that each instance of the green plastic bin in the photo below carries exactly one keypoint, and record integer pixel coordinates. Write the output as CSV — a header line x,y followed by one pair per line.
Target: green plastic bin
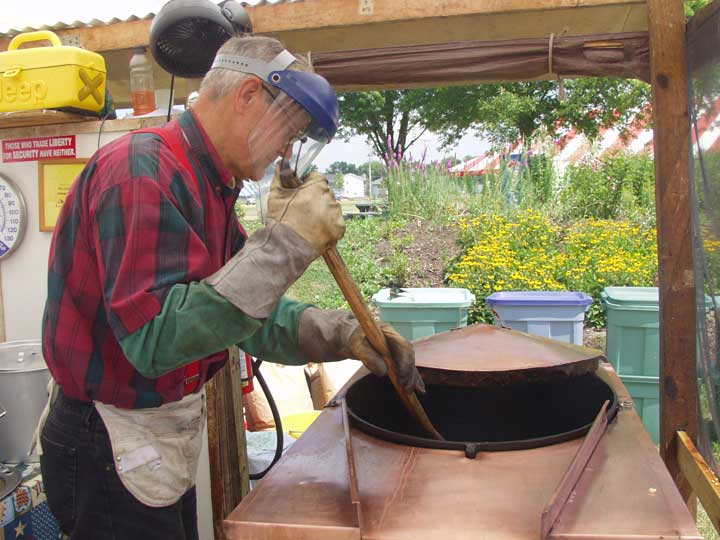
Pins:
x,y
633,347
420,312
633,343
645,392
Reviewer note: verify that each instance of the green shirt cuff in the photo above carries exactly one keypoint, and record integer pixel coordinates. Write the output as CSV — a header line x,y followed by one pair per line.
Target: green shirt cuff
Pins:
x,y
277,340
196,322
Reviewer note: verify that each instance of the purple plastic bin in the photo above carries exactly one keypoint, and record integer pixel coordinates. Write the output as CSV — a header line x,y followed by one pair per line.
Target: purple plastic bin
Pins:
x,y
552,314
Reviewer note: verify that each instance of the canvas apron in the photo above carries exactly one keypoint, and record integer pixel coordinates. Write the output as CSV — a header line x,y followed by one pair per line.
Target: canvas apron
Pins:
x,y
156,450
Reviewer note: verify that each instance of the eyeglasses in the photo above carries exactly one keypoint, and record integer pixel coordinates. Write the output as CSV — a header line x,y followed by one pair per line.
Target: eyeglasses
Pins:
x,y
296,133
268,91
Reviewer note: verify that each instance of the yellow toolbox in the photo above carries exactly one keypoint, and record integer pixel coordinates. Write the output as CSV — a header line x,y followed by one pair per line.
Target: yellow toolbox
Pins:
x,y
50,77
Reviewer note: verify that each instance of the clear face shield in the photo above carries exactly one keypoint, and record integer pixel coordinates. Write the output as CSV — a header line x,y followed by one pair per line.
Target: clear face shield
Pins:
x,y
283,133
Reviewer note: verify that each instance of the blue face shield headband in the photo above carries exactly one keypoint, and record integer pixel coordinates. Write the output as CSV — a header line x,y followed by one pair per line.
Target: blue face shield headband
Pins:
x,y
309,90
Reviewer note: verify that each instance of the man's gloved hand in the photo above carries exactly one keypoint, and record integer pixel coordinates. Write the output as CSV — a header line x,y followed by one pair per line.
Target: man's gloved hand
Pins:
x,y
403,355
302,223
328,335
310,210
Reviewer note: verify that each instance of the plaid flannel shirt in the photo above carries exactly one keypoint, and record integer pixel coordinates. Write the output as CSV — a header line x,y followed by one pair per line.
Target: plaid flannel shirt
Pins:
x,y
135,223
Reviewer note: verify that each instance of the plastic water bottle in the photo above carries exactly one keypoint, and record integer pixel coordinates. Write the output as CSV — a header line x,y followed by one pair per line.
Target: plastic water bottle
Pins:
x,y
142,87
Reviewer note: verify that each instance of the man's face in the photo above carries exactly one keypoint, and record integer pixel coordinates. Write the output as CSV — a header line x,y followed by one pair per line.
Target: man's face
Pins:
x,y
282,123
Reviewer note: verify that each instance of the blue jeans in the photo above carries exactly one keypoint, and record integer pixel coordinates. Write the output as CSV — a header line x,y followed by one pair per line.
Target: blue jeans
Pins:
x,y
84,491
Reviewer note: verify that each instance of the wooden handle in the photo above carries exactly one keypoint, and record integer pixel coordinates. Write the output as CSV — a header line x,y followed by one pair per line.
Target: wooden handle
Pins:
x,y
352,294
375,336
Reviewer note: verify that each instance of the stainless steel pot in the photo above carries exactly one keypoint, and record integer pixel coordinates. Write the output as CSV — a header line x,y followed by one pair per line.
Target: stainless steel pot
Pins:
x,y
23,393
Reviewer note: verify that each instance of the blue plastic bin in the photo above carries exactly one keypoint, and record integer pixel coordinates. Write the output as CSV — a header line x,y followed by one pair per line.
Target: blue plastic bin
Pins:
x,y
551,314
420,312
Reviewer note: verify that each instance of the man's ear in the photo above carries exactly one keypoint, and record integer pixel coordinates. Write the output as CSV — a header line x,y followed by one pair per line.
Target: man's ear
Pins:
x,y
247,93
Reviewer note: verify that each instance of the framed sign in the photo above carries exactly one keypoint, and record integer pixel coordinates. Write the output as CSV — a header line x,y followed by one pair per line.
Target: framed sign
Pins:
x,y
56,177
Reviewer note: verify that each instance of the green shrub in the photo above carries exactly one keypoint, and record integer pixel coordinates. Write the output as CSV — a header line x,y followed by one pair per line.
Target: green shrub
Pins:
x,y
539,180
424,192
618,187
240,209
359,250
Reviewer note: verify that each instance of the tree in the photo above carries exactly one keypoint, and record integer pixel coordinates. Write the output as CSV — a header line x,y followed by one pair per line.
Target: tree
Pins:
x,y
507,112
344,167
377,168
693,6
395,119
390,119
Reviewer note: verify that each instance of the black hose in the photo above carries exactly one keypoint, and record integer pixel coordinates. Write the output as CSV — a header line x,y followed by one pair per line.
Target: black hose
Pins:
x,y
276,418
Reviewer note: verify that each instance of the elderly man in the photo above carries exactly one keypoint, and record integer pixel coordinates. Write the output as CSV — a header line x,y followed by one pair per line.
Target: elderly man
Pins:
x,y
152,279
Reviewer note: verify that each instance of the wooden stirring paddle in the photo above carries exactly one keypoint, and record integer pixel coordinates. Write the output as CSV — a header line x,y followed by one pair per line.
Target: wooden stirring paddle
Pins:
x,y
362,313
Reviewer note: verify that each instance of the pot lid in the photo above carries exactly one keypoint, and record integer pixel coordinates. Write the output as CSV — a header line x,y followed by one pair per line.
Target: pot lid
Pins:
x,y
21,356
9,480
644,298
445,297
491,351
538,298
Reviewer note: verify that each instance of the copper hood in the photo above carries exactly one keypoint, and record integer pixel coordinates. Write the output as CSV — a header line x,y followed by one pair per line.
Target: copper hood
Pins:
x,y
340,482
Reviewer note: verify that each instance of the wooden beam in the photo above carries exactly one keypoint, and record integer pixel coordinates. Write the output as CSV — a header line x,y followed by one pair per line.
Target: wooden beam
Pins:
x,y
91,126
702,480
105,37
41,117
678,387
317,14
330,25
337,25
485,26
227,449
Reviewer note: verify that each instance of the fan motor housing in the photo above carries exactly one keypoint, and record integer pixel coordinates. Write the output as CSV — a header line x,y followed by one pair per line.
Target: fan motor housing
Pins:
x,y
185,35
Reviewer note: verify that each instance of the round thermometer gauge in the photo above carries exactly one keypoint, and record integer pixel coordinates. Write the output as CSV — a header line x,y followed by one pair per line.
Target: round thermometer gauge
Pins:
x,y
12,217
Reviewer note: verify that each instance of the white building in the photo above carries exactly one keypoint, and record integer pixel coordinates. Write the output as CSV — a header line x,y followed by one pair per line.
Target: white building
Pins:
x,y
353,186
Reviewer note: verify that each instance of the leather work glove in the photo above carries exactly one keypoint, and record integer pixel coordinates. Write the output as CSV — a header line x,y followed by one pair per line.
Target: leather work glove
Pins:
x,y
301,224
329,335
310,210
403,355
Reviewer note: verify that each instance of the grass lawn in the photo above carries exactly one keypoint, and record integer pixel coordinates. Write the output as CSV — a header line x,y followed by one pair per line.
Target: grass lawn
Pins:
x,y
249,212
705,525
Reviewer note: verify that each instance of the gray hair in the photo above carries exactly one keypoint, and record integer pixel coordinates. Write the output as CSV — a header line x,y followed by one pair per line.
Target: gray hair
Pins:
x,y
218,82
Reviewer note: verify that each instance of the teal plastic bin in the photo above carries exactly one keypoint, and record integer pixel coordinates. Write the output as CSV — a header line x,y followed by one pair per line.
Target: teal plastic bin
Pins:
x,y
420,312
633,343
633,346
645,392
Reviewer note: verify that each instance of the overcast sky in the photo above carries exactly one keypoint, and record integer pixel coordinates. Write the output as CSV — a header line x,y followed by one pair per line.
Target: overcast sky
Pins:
x,y
357,151
19,14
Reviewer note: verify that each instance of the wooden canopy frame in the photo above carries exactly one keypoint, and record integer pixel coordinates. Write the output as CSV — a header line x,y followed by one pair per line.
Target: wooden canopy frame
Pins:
x,y
329,26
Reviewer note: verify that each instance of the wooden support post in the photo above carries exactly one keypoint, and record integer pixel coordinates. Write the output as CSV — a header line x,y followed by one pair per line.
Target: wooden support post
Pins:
x,y
227,448
703,481
678,387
